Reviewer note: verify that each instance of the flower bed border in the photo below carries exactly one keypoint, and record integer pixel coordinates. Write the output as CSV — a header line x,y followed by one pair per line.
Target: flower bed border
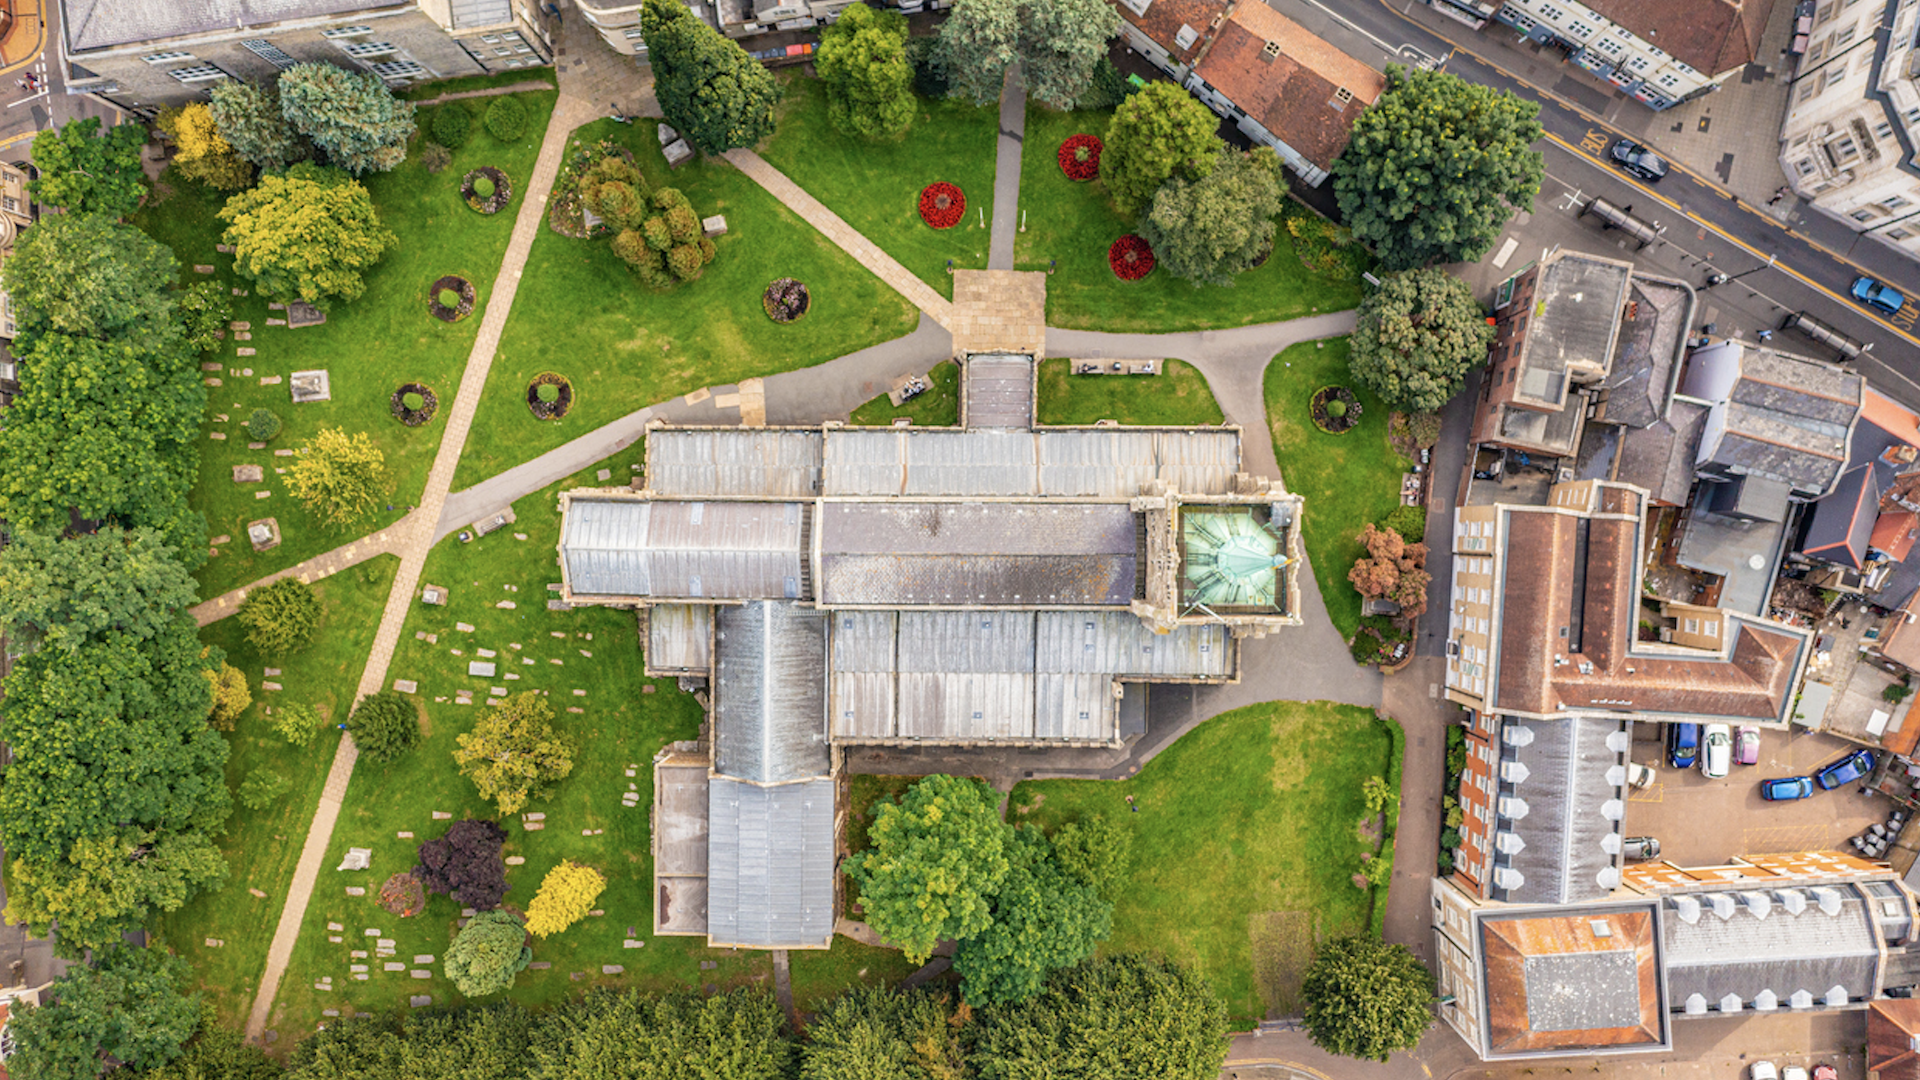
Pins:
x,y
1069,159
1334,425
397,404
458,284
1135,245
540,409
956,208
502,190
767,301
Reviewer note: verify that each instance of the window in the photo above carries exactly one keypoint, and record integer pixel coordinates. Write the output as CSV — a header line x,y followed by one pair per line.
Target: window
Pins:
x,y
1692,626
1825,13
345,32
1810,89
1711,627
1862,214
632,35
268,51
1819,50
1638,63
1580,30
1843,38
1668,79
1552,12
398,69
1611,47
198,73
1898,234
168,57
366,50
1842,150
1896,202
1883,130
1911,116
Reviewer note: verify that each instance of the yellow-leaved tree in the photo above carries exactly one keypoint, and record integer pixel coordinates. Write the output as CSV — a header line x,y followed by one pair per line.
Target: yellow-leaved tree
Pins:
x,y
200,153
339,477
566,896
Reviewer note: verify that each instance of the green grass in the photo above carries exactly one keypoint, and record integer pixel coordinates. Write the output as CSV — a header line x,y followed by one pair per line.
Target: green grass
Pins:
x,y
1348,480
1250,820
582,313
822,974
263,845
1179,395
369,346
937,406
875,187
1074,224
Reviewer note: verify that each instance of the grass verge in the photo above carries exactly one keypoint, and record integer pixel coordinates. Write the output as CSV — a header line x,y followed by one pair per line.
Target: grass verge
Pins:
x,y
937,406
1178,396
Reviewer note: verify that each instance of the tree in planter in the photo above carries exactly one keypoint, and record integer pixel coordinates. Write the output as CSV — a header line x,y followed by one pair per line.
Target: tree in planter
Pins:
x,y
1366,998
1124,1017
307,235
862,59
1418,335
1210,229
249,117
340,478
353,116
1042,920
1435,168
1392,569
87,173
710,90
487,953
875,1033
513,752
566,896
384,726
262,788
412,401
936,860
200,153
449,299
465,863
1057,41
132,1005
1161,133
280,618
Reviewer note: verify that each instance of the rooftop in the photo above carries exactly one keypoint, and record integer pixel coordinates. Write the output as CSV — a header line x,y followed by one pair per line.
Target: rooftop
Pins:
x,y
1710,36
104,24
1296,85
1581,981
1647,351
770,864
1571,330
769,692
1660,457
1561,800
1774,414
1178,26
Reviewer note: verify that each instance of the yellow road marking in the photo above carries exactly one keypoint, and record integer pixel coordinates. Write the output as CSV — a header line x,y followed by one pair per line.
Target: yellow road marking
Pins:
x,y
40,19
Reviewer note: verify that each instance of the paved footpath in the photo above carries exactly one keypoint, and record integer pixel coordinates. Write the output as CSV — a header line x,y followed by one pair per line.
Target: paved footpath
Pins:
x,y
351,553
1006,169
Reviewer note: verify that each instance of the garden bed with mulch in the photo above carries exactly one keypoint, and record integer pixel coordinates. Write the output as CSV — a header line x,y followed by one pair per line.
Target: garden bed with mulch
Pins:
x,y
785,300
490,196
413,404
453,288
1130,257
561,395
942,205
1335,410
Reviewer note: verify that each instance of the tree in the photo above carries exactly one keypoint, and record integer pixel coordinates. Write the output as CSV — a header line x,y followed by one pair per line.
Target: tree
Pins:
x,y
875,1033
280,617
106,886
350,115
862,59
384,726
1435,168
217,1053
936,860
248,116
1392,569
710,89
131,1005
204,312
306,235
662,239
85,173
339,477
1125,1017
262,788
451,124
59,593
1159,134
1418,335
465,863
566,895
230,695
1366,998
513,753
506,119
736,1035
1041,921
487,953
1058,42
1210,229
200,153
90,276
296,723
1094,853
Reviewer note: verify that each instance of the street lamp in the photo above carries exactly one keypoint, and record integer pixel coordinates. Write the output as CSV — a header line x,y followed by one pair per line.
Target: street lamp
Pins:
x,y
1721,279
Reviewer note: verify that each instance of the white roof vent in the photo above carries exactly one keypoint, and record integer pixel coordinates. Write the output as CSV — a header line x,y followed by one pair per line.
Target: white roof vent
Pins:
x,y
1610,843
1730,1003
1828,898
1616,776
1836,996
1766,1001
1793,900
1512,807
1186,37
1507,843
1722,904
1800,1000
1613,810
1516,735
1619,741
1696,1005
1506,877
1688,908
1608,877
1757,903
1514,772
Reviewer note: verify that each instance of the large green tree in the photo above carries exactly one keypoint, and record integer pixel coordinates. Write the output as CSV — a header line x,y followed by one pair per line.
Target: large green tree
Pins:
x,y
106,886
249,117
306,235
59,592
280,617
217,1053
1042,920
487,953
1418,335
937,858
1159,134
709,88
131,1004
351,115
1124,1017
90,276
863,62
736,1035
1210,229
1435,168
1366,998
83,172
1058,42
876,1033
513,753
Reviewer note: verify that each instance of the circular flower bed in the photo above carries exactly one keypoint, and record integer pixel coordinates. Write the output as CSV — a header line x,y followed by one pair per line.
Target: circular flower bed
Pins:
x,y
942,205
1130,258
486,189
549,395
403,895
451,298
1335,410
413,404
1080,157
785,300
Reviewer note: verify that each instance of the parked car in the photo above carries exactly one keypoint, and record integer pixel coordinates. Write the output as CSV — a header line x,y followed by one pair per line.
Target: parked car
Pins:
x,y
1844,771
1716,757
1746,745
1633,158
1638,775
1793,1072
1825,1072
1762,1070
1881,297
1642,847
1683,745
1786,788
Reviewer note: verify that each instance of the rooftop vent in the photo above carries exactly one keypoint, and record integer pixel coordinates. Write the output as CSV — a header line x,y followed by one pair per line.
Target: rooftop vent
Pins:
x,y
1342,95
1800,1000
1610,843
1516,735
1271,50
1619,741
1766,1001
1828,898
1186,37
1512,808
1507,843
1793,900
1836,996
1722,904
1696,1004
1601,928
1506,877
1513,772
1757,903
1730,1004
1613,810
1688,908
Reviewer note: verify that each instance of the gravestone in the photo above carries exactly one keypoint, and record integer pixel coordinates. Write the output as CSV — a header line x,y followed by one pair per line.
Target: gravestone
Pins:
x,y
264,534
310,386
433,594
406,686
480,669
420,1001
248,474
714,226
301,314
678,153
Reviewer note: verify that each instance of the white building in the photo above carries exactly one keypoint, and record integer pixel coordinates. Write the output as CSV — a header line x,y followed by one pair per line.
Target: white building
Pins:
x,y
618,21
1848,141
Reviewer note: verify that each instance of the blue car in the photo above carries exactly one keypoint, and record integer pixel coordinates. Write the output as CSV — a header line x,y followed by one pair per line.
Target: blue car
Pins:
x,y
1844,771
1786,788
1683,745
1882,298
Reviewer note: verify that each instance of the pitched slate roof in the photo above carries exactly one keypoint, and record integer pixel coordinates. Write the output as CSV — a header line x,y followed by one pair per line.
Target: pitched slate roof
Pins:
x,y
1291,89
1561,788
103,24
1660,457
1741,953
770,864
769,692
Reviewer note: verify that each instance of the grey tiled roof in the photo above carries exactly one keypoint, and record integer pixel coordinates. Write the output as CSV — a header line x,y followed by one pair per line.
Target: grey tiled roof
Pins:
x,y
679,550
769,693
1566,789
976,553
104,24
1744,954
770,864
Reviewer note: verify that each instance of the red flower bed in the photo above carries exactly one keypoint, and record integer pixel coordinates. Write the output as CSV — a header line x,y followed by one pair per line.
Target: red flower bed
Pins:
x,y
1130,258
1080,157
941,205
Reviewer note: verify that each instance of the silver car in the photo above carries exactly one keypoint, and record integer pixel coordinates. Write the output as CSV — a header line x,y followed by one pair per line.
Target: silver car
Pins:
x,y
1716,752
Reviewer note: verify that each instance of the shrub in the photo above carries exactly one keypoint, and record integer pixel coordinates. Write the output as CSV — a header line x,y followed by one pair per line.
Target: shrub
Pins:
x,y
452,124
384,726
1336,408
230,695
487,953
465,864
403,895
1455,817
434,157
685,262
413,402
1107,89
280,617
296,723
483,187
1378,795
204,309
1375,871
929,65
1093,853
547,392
450,299
668,198
1895,694
1409,521
566,895
1449,838
506,119
658,234
262,788
263,425
682,224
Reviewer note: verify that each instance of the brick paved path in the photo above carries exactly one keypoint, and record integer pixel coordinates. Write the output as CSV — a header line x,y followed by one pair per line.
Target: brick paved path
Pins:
x,y
351,553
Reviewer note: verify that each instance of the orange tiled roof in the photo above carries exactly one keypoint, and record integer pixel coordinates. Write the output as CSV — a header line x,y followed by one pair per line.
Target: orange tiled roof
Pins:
x,y
1508,944
1291,94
